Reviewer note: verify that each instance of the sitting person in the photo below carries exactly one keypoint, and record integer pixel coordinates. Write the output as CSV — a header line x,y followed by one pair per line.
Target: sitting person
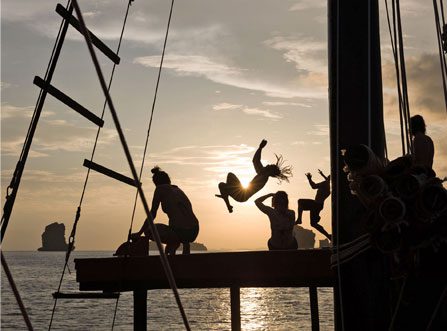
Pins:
x,y
281,221
233,187
423,149
183,225
315,206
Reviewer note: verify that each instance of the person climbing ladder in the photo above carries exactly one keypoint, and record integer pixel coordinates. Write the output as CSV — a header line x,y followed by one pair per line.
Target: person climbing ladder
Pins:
x,y
315,206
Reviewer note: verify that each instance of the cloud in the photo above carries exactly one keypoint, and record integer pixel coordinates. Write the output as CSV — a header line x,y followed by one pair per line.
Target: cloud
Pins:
x,y
308,4
248,110
262,112
10,112
222,73
424,86
320,130
226,106
215,158
54,134
4,85
307,54
283,103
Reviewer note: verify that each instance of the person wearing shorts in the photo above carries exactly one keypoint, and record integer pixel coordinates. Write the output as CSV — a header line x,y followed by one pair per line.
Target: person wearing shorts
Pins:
x,y
183,225
315,206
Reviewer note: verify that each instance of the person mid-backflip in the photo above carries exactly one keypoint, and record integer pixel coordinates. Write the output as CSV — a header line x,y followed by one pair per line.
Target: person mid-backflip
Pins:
x,y
233,187
315,206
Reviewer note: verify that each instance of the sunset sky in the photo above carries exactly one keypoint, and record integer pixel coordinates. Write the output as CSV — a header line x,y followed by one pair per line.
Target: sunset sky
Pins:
x,y
235,72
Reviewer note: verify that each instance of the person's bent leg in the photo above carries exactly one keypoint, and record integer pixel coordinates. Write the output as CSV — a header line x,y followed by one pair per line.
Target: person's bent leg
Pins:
x,y
224,195
167,236
315,218
303,204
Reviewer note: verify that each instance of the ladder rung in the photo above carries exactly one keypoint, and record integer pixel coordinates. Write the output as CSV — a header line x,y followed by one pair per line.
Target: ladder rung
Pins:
x,y
68,101
105,171
95,40
86,295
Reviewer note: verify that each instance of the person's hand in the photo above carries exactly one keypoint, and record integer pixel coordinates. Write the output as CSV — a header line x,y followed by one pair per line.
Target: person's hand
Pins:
x,y
308,175
263,143
321,173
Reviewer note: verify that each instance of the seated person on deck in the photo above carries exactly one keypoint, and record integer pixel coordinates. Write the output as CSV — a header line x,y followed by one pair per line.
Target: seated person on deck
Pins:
x,y
183,225
423,149
281,221
233,187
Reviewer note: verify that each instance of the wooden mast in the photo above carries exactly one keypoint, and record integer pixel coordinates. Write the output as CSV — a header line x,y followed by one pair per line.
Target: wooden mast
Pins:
x,y
356,117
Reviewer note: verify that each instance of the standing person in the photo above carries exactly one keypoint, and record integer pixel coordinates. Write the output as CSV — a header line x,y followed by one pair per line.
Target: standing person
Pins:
x,y
315,206
183,225
423,149
233,187
281,221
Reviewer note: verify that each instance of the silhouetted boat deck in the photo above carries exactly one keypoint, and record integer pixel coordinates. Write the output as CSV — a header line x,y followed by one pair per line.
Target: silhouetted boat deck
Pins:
x,y
300,268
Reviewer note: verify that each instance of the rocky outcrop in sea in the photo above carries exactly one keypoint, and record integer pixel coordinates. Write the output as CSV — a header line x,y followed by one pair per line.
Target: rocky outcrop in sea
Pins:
x,y
53,238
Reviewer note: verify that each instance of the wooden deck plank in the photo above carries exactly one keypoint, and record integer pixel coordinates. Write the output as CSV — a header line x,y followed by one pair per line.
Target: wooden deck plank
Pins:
x,y
301,268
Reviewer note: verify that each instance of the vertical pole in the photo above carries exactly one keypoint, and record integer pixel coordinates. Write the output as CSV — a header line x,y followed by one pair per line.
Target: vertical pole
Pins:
x,y
235,301
356,117
315,318
140,310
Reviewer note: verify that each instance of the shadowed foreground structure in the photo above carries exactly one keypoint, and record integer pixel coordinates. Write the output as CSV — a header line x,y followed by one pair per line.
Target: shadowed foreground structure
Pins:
x,y
300,268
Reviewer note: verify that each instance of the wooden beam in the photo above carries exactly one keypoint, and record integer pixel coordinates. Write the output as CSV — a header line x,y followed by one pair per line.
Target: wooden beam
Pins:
x,y
95,40
235,302
65,99
315,318
140,310
300,268
108,172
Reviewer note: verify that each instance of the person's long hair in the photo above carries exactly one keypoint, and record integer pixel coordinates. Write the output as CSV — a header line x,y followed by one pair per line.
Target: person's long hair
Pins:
x,y
285,171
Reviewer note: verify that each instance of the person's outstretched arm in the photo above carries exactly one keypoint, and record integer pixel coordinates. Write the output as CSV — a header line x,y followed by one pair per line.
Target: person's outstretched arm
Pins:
x,y
155,205
259,203
311,182
322,174
257,157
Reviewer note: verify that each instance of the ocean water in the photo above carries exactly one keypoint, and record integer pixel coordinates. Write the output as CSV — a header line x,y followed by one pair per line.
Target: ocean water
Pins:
x,y
37,275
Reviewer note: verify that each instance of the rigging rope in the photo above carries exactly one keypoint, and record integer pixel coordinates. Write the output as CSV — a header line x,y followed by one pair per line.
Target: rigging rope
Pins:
x,y
396,38
164,261
16,294
71,239
17,175
151,117
441,45
435,311
406,104
147,136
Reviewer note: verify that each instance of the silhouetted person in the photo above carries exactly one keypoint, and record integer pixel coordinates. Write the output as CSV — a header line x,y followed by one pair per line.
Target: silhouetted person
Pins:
x,y
234,188
281,220
423,149
315,206
183,225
